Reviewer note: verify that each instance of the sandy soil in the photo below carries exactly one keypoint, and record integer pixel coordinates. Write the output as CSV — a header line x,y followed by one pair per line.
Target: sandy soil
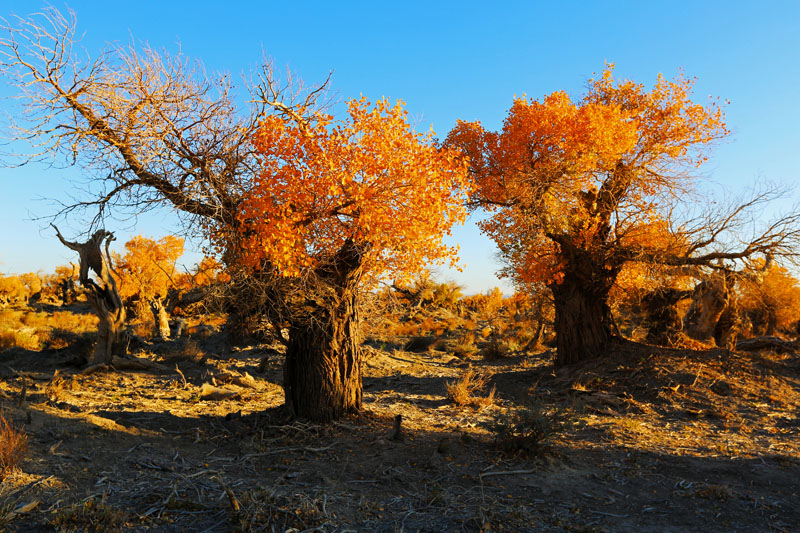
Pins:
x,y
655,440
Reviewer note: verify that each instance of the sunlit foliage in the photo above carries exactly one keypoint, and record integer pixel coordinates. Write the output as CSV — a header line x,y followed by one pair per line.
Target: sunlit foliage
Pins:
x,y
591,174
369,179
147,270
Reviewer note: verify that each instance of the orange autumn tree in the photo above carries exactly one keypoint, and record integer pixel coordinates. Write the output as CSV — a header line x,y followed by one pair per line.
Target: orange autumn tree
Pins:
x,y
578,188
337,205
769,296
147,272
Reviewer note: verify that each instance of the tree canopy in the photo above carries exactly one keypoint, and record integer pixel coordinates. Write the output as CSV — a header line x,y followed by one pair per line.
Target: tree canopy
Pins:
x,y
369,179
579,188
593,174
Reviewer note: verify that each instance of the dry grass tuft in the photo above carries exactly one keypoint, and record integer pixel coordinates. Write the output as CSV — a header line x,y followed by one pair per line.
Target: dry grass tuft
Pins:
x,y
13,444
465,346
463,391
33,330
529,429
495,349
57,387
21,338
90,515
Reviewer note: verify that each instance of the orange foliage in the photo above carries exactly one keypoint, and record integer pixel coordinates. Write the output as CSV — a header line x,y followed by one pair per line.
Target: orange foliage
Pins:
x,y
590,175
207,272
148,267
12,289
774,297
369,179
486,304
637,277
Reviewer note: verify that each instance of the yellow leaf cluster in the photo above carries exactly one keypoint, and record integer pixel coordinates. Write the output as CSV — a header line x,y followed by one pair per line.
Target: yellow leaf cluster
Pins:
x,y
148,267
370,179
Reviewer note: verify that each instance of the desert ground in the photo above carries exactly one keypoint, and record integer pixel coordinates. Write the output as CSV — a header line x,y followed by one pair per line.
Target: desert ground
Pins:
x,y
650,439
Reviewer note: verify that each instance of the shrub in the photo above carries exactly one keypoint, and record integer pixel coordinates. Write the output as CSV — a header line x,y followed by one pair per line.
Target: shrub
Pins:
x,y
462,391
34,330
528,429
13,444
495,349
90,515
419,344
186,350
465,346
21,338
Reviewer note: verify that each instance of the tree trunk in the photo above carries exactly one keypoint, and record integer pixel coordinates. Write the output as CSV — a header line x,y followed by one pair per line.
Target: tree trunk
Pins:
x,y
661,312
727,328
322,371
583,319
103,296
709,301
110,331
160,317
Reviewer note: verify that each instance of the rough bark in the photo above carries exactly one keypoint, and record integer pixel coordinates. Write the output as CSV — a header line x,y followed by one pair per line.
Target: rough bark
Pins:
x,y
103,296
583,321
322,371
161,318
726,331
708,303
661,313
67,289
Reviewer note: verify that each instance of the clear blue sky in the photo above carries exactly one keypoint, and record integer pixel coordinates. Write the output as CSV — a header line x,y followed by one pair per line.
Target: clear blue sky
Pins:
x,y
451,60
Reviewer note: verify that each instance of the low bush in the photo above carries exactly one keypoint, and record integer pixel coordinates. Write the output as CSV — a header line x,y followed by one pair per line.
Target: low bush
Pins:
x,y
529,429
464,390
13,444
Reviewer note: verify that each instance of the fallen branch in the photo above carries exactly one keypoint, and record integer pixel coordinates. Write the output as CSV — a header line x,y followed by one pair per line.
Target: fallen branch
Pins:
x,y
766,343
210,392
507,473
290,449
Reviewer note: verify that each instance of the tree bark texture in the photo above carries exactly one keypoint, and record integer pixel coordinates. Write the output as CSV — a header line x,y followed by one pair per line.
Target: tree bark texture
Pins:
x,y
583,319
103,296
726,331
322,371
708,304
161,318
661,312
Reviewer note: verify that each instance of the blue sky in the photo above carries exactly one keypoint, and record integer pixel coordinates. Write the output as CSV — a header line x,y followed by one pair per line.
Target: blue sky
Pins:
x,y
451,60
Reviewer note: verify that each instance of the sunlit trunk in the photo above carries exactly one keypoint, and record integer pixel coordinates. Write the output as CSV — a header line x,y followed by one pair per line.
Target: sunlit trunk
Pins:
x,y
161,318
322,372
582,318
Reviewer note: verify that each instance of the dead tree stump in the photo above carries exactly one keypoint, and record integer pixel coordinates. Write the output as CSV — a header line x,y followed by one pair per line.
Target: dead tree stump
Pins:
x,y
102,294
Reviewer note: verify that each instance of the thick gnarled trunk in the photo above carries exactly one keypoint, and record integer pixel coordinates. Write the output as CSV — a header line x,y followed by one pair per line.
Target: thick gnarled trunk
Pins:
x,y
110,331
711,299
322,372
583,319
664,320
